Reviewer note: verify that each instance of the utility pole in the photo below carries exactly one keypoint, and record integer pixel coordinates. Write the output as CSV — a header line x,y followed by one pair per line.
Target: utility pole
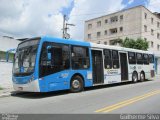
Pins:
x,y
64,23
65,35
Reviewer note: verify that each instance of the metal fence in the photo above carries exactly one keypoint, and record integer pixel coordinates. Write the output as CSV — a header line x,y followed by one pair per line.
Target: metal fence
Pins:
x,y
6,57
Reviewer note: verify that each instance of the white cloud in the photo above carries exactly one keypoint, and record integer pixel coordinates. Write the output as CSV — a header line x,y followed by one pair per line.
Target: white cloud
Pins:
x,y
87,9
154,5
28,18
10,9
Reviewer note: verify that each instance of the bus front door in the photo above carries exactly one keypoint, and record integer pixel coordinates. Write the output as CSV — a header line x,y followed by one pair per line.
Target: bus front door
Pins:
x,y
97,66
124,66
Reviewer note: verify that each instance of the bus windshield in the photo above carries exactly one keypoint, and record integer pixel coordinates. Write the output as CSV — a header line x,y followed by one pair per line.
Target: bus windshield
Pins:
x,y
25,57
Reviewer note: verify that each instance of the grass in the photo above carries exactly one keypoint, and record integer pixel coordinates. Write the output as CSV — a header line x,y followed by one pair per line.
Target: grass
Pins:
x,y
1,88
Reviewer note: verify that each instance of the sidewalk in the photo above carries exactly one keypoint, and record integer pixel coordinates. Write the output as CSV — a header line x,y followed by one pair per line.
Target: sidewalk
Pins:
x,y
157,77
5,79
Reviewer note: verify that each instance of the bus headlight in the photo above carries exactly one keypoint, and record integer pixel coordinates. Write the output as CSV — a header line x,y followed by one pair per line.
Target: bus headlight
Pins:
x,y
14,80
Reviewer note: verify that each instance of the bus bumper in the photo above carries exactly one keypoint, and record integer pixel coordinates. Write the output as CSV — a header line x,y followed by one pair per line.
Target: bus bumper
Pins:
x,y
29,87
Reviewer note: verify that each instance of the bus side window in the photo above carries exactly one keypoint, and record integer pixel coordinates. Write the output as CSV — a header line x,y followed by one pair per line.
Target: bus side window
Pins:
x,y
56,56
80,57
145,59
66,56
107,59
139,58
59,60
115,59
132,58
151,58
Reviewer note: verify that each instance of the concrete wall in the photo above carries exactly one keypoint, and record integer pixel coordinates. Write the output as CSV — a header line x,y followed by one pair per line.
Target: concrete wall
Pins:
x,y
158,66
150,37
7,43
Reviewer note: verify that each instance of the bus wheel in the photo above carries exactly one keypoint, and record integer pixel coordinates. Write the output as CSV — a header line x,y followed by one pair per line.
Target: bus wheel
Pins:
x,y
76,84
142,77
134,77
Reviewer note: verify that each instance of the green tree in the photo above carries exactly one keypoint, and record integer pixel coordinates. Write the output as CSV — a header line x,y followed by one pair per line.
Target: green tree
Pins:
x,y
140,43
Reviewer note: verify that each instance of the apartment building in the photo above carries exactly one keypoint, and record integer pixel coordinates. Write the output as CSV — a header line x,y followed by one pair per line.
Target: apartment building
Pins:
x,y
136,22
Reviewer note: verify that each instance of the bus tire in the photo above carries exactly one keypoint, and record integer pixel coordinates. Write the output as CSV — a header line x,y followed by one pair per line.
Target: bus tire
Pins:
x,y
142,77
76,84
134,77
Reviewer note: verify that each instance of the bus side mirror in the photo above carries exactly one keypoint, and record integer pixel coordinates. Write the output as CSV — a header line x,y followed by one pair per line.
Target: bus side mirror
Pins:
x,y
49,48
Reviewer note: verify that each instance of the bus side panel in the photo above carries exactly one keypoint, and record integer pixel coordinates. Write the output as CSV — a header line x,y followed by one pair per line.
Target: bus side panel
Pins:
x,y
131,69
146,69
112,76
61,80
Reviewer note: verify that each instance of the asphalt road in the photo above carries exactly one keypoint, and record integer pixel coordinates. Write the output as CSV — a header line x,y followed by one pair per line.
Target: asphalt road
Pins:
x,y
142,97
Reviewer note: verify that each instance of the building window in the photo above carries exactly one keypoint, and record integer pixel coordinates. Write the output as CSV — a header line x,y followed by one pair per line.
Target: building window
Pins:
x,y
152,20
158,36
106,21
98,42
98,34
89,36
158,47
113,31
152,32
113,42
89,26
145,39
105,43
121,29
158,24
99,24
145,15
114,19
105,32
145,28
121,17
152,45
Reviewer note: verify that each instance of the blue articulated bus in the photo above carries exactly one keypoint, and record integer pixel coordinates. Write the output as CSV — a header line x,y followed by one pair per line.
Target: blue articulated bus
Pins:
x,y
50,64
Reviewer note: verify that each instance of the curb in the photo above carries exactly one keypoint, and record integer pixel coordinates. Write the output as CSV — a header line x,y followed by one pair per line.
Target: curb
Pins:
x,y
8,93
5,95
12,93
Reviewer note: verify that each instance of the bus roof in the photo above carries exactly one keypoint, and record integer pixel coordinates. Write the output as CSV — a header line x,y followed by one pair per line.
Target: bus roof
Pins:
x,y
94,45
65,41
89,44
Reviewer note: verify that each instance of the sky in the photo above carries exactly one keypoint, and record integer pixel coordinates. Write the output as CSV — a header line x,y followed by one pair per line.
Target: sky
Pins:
x,y
32,18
